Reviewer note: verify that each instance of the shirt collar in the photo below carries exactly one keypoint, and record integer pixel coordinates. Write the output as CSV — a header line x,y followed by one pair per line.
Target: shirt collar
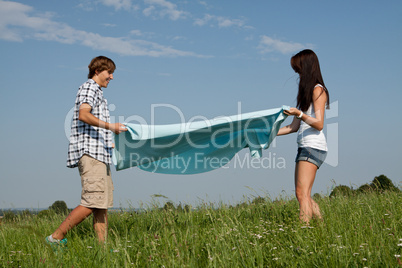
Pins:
x,y
93,82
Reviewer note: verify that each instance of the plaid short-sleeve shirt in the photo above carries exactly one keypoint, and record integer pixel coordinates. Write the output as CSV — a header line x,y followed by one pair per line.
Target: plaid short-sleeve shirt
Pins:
x,y
86,139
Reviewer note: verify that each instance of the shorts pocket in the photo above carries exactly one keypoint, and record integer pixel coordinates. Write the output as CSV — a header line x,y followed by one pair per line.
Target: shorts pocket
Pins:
x,y
93,185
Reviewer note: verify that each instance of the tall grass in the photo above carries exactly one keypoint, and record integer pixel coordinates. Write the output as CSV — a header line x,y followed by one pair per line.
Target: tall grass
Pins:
x,y
358,231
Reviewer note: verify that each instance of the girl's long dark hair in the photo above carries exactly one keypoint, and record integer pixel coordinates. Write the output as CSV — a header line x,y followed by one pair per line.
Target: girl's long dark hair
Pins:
x,y
306,64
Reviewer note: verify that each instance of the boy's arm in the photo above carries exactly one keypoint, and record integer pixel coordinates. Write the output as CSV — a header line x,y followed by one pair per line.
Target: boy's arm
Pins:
x,y
86,117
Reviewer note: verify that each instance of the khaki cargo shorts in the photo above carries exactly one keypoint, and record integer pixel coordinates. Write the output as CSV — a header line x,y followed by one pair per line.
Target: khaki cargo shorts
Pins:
x,y
96,182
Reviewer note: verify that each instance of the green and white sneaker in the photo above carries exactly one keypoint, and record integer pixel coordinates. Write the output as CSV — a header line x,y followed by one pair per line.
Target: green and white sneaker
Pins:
x,y
56,244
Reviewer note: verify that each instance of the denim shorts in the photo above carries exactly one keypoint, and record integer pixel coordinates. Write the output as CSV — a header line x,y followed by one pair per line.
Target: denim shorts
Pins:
x,y
311,155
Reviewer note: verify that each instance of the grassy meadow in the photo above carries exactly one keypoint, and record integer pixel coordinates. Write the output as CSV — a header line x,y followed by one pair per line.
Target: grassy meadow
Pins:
x,y
362,230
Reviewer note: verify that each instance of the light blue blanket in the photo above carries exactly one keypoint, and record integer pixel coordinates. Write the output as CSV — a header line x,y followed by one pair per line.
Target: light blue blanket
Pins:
x,y
195,147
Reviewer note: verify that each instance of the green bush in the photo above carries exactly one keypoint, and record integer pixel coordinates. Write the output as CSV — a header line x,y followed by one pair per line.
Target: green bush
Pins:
x,y
382,183
59,207
365,188
258,200
169,206
317,197
46,214
26,214
341,190
9,216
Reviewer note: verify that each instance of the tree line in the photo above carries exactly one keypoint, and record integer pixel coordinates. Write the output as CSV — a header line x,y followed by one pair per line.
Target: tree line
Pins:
x,y
379,185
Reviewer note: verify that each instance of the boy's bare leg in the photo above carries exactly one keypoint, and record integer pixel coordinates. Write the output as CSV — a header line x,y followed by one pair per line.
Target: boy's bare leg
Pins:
x,y
100,224
75,217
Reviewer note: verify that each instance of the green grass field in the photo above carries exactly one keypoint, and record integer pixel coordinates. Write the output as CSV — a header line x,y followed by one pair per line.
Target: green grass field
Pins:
x,y
359,231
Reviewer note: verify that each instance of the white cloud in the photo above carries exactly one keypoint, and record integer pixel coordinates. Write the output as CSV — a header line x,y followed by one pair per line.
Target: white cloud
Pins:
x,y
16,24
148,11
203,21
118,4
222,22
163,8
178,37
249,38
268,44
136,32
109,25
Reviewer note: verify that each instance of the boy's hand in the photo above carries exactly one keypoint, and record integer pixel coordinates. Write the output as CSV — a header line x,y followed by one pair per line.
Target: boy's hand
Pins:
x,y
117,128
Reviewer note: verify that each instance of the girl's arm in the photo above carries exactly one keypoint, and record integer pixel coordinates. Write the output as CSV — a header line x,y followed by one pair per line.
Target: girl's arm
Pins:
x,y
319,101
293,127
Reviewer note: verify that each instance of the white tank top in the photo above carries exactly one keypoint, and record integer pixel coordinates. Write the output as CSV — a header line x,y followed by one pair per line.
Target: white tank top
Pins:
x,y
309,136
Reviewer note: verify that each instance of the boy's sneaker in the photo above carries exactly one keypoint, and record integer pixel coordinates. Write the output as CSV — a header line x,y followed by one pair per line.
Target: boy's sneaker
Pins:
x,y
55,244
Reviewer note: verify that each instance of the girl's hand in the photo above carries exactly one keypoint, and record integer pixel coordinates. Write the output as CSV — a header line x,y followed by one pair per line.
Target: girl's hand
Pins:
x,y
292,111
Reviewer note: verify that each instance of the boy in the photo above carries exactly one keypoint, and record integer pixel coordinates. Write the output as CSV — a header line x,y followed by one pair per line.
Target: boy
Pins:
x,y
90,150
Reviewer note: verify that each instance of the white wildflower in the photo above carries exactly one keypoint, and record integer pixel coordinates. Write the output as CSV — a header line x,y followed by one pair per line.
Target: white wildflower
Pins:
x,y
400,245
280,229
364,259
89,247
397,256
354,254
275,259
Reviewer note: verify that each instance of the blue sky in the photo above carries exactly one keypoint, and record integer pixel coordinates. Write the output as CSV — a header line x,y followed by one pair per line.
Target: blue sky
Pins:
x,y
197,58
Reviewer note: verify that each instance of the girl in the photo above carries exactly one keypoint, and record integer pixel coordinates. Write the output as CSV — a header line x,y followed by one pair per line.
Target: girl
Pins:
x,y
308,120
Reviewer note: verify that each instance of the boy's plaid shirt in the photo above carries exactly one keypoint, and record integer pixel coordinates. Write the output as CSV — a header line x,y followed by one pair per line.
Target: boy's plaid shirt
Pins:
x,y
86,139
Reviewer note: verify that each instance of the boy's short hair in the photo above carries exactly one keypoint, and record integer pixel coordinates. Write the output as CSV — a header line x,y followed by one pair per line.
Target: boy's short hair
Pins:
x,y
100,64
